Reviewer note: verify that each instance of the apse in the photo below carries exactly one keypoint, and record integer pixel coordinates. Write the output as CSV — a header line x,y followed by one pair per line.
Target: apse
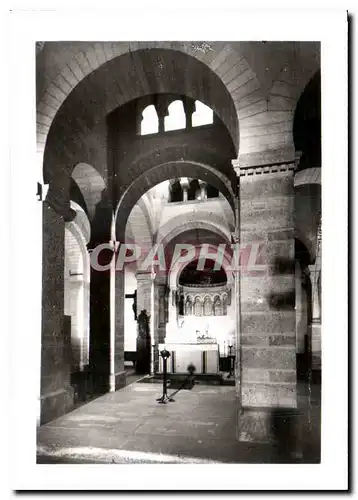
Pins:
x,y
209,276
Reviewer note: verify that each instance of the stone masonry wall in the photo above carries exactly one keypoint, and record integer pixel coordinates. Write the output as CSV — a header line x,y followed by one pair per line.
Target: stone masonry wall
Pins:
x,y
268,342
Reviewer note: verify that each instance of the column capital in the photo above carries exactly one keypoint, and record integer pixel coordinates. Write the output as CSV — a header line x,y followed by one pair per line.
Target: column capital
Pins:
x,y
162,289
145,275
64,211
184,182
266,164
235,238
160,280
189,105
161,106
313,272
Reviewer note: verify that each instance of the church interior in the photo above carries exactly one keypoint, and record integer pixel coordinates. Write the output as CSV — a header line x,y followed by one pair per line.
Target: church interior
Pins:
x,y
181,209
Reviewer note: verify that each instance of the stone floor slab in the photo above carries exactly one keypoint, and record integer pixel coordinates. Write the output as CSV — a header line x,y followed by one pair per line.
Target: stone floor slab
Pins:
x,y
200,425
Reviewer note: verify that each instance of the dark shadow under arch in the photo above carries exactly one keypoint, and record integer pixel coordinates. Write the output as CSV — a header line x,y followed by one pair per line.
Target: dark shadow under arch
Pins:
x,y
307,124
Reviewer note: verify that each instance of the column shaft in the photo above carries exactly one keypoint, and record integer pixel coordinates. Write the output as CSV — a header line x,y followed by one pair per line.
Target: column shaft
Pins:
x,y
185,193
118,376
171,327
203,193
267,299
315,326
56,392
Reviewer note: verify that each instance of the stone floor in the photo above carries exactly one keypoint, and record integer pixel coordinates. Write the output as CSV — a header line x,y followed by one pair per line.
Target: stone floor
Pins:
x,y
129,426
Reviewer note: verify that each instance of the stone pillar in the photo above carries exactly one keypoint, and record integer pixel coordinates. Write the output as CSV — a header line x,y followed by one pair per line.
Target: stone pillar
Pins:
x,y
171,327
189,108
314,274
101,297
162,312
267,296
99,358
238,363
161,107
145,291
237,302
56,393
203,193
145,301
86,314
77,322
172,306
184,182
117,299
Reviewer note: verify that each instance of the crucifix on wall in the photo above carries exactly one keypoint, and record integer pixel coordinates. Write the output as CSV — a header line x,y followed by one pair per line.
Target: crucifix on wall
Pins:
x,y
134,305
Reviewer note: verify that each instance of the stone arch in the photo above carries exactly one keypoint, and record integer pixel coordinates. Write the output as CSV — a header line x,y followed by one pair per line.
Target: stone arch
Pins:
x,y
299,236
177,149
175,271
77,285
302,251
82,222
139,230
307,176
180,224
91,184
270,118
292,80
158,174
146,207
218,63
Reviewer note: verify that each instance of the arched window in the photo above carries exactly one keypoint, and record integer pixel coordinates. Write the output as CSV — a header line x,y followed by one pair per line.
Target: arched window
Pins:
x,y
150,121
197,307
176,119
208,311
203,115
218,309
188,307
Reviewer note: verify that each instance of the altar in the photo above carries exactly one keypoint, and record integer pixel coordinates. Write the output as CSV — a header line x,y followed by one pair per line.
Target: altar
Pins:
x,y
204,356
